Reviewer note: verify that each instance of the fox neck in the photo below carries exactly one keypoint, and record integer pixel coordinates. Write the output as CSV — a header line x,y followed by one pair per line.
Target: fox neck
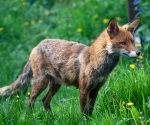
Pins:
x,y
101,60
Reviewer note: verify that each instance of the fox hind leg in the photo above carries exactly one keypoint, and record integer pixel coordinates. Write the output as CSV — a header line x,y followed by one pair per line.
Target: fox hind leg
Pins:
x,y
37,87
53,89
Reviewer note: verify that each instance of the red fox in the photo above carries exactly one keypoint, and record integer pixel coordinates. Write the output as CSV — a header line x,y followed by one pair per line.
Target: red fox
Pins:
x,y
55,62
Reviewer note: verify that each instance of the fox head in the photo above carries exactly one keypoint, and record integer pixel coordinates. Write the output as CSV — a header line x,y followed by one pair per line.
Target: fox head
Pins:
x,y
122,39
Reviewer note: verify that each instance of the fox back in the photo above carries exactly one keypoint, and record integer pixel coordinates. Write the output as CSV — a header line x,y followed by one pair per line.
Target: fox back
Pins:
x,y
60,60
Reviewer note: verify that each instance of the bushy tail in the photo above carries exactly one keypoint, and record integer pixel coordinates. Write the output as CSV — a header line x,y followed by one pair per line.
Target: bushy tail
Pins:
x,y
21,83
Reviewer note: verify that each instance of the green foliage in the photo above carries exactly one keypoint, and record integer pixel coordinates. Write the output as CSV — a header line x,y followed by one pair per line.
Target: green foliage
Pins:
x,y
24,23
144,30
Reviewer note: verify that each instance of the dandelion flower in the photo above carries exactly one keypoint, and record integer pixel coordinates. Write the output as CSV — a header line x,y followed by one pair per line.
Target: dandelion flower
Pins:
x,y
96,16
114,73
92,40
47,12
53,13
58,22
96,7
32,22
130,104
105,20
140,57
123,103
24,3
28,93
46,37
40,21
132,66
118,19
26,23
17,96
1,29
79,30
41,6
138,45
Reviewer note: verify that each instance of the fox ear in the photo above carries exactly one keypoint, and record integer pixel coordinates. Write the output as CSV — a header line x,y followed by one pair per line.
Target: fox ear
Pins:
x,y
132,25
112,28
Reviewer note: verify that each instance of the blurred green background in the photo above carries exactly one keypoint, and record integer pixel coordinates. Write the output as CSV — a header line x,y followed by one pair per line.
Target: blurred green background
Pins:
x,y
24,23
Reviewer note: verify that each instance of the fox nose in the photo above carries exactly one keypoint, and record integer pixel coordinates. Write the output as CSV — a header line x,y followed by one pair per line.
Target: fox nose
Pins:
x,y
138,53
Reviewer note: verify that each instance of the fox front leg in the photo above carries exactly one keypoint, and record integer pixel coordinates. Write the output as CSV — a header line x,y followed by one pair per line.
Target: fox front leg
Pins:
x,y
88,97
83,101
87,100
91,99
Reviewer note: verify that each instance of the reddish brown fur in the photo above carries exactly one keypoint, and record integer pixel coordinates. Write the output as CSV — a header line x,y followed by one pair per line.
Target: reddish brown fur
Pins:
x,y
56,62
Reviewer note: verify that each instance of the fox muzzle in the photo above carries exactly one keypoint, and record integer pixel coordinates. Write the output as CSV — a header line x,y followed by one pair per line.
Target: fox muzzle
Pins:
x,y
131,54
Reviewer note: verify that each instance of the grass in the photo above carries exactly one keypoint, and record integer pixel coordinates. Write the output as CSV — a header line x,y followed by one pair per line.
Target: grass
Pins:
x,y
25,23
124,85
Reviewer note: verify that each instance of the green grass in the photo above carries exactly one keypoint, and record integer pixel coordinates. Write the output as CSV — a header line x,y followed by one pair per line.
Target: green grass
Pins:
x,y
124,85
25,23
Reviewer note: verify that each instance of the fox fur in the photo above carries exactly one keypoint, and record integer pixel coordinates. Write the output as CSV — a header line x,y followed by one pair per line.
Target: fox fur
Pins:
x,y
55,62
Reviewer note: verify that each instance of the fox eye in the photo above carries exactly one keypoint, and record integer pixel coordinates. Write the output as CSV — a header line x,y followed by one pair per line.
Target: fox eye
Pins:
x,y
123,43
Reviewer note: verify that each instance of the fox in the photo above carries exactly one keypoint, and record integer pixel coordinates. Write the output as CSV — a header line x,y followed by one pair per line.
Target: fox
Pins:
x,y
56,62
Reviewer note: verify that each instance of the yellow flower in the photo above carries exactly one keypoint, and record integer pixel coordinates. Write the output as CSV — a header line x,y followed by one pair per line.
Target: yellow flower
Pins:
x,y
28,93
6,99
53,13
118,19
96,16
24,3
123,103
132,66
105,20
32,22
46,12
79,30
130,104
26,23
140,57
1,29
46,37
40,21
92,40
114,73
17,96
41,6
96,7
58,22
138,45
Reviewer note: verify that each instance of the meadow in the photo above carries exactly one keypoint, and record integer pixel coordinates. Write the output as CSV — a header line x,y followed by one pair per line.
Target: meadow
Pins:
x,y
123,100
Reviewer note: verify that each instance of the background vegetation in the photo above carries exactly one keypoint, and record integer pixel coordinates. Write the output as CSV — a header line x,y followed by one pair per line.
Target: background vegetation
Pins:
x,y
124,99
